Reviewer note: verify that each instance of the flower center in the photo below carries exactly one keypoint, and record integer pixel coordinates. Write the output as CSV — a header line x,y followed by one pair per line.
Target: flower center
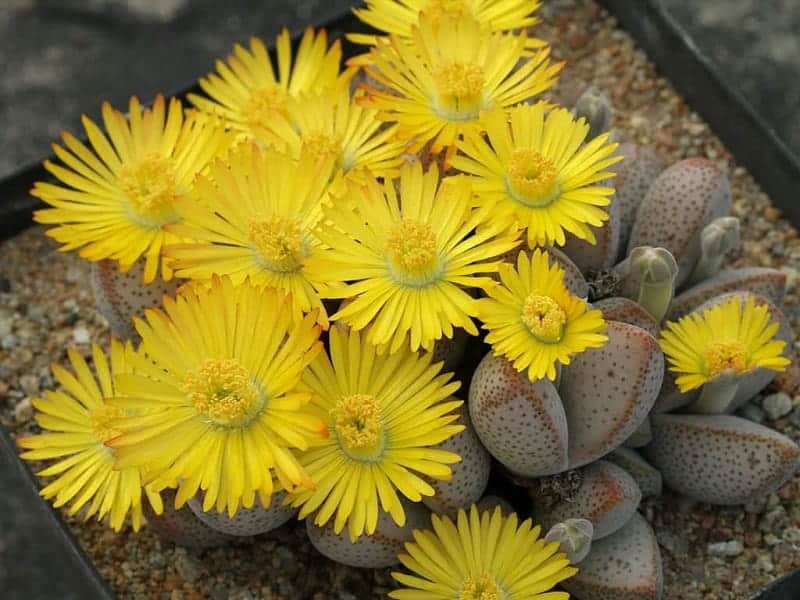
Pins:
x,y
279,241
544,318
726,355
357,419
320,145
480,587
221,390
459,91
101,419
150,188
532,179
435,10
263,104
413,255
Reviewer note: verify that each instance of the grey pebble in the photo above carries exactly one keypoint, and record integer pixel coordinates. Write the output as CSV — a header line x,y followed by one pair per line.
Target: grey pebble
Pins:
x,y
725,549
777,405
8,342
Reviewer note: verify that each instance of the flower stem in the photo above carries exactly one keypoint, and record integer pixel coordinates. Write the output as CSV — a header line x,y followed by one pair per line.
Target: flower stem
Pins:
x,y
716,396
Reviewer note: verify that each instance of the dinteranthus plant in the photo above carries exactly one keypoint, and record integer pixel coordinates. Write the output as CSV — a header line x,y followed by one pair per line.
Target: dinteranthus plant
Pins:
x,y
295,263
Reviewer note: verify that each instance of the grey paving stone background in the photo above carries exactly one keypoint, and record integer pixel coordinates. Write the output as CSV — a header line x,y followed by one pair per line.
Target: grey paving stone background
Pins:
x,y
756,45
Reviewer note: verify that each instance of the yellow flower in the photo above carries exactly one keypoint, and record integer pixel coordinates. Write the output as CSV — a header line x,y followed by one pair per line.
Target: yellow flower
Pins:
x,y
385,414
253,218
246,92
540,173
534,321
119,194
729,338
221,367
410,258
336,127
398,17
437,86
77,422
483,556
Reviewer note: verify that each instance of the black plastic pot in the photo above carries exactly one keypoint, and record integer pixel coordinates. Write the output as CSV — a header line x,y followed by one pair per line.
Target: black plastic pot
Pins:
x,y
64,571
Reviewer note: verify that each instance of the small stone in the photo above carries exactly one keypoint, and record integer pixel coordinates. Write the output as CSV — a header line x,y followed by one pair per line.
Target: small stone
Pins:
x,y
752,412
764,563
726,549
29,384
188,567
773,521
81,335
771,539
777,405
9,342
792,535
23,411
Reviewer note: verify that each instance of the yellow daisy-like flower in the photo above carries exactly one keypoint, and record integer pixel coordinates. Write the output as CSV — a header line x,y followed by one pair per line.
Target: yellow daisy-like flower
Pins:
x,y
253,218
77,422
540,172
221,369
385,414
482,556
119,194
248,95
731,338
411,258
338,128
437,86
398,17
534,320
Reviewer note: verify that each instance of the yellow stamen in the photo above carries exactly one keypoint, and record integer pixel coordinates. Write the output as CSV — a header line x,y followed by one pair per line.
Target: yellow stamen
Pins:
x,y
263,104
532,178
151,189
459,90
413,254
726,355
221,389
544,318
279,241
320,145
435,10
101,419
480,587
357,420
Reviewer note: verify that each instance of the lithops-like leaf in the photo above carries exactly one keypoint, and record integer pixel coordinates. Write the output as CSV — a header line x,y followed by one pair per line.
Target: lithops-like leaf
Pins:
x,y
521,423
635,175
647,477
608,391
608,497
181,526
641,437
120,296
491,502
670,397
770,283
602,254
623,566
720,459
246,521
681,202
574,537
470,476
628,311
375,551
